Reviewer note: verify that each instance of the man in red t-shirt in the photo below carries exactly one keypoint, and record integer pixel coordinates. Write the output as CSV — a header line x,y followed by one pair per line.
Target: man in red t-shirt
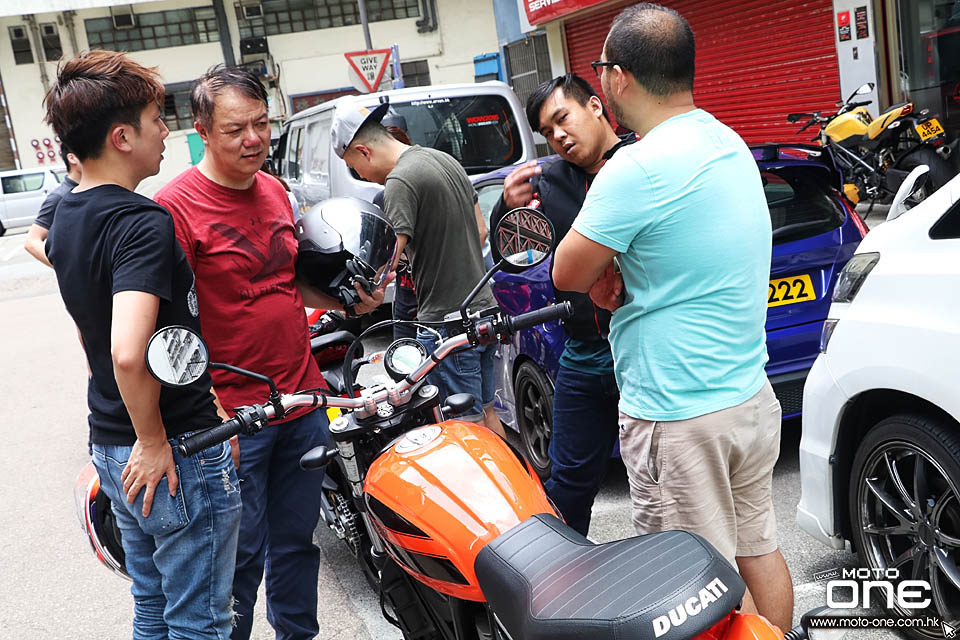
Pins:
x,y
236,227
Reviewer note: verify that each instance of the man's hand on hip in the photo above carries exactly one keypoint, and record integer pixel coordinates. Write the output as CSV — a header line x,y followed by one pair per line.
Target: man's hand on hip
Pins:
x,y
607,291
371,302
517,190
147,465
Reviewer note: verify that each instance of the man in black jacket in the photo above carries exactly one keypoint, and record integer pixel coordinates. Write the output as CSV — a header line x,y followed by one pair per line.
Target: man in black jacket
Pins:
x,y
570,115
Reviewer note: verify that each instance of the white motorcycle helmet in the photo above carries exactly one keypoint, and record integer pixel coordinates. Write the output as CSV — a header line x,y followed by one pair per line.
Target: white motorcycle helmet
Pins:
x,y
342,241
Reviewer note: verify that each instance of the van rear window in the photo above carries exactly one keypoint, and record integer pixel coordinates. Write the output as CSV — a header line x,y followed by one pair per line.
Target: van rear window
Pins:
x,y
481,132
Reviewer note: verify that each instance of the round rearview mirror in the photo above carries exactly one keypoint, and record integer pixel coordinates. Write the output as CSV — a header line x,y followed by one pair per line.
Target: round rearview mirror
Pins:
x,y
177,356
403,357
524,238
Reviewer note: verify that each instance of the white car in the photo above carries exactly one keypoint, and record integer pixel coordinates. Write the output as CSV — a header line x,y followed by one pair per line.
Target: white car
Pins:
x,y
880,453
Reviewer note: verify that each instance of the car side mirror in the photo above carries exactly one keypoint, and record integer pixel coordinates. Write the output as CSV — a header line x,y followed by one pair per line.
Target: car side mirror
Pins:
x,y
915,181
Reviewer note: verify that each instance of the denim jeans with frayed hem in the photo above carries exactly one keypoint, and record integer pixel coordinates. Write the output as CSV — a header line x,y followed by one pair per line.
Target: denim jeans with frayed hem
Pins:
x,y
181,556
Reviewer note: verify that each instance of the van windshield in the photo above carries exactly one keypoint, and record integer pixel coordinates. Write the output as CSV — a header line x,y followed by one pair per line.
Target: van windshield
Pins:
x,y
481,132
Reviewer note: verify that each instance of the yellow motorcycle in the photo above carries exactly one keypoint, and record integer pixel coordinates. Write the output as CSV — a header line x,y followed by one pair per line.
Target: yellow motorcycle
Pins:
x,y
875,155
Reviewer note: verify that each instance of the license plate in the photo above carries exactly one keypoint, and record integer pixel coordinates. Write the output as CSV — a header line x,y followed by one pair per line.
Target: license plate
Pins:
x,y
790,291
929,129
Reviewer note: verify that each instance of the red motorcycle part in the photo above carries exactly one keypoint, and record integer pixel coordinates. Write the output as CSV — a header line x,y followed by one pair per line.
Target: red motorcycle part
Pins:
x,y
441,493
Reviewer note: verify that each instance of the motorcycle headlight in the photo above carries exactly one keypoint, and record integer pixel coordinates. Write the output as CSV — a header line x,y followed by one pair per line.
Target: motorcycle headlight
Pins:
x,y
852,276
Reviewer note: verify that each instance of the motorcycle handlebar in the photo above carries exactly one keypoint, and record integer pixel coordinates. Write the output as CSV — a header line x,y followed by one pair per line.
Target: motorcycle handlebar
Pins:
x,y
197,442
189,445
540,316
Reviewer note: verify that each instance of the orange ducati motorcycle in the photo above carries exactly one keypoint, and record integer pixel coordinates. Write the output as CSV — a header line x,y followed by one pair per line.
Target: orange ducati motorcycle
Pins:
x,y
452,525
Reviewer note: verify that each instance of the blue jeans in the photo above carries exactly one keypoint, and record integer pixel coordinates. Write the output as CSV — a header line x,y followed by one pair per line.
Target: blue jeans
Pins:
x,y
466,371
281,506
585,429
181,556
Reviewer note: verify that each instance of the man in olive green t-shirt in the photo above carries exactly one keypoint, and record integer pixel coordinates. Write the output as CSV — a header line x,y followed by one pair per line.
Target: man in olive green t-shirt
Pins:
x,y
432,206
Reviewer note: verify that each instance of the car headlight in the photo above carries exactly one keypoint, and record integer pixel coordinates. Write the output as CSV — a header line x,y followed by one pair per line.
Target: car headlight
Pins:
x,y
852,276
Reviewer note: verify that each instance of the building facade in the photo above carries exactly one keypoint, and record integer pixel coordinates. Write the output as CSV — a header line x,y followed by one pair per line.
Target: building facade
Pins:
x,y
296,46
758,60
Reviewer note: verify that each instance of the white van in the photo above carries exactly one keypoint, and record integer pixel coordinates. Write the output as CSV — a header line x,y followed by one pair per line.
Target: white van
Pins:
x,y
482,125
22,191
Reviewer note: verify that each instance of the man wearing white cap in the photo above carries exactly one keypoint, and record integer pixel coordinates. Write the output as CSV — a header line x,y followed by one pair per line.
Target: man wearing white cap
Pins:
x,y
433,208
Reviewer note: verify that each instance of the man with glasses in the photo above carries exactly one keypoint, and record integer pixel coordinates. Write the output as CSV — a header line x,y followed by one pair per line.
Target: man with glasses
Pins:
x,y
684,213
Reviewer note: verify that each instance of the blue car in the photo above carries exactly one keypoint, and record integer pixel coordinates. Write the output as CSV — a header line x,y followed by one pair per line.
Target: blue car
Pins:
x,y
815,231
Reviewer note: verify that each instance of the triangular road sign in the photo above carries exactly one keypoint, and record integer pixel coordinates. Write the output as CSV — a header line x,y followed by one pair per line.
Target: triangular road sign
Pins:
x,y
369,66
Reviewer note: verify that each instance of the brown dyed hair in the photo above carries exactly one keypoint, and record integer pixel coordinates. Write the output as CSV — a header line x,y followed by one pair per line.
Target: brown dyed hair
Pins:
x,y
398,133
96,91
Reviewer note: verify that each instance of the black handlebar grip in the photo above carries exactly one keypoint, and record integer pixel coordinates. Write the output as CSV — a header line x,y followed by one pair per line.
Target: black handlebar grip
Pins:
x,y
533,318
190,445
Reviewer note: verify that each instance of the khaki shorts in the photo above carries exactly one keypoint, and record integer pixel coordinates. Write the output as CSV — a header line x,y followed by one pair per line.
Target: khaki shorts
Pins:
x,y
711,475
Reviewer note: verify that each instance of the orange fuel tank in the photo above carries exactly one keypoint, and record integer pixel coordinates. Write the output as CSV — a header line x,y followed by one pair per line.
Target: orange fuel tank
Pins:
x,y
441,493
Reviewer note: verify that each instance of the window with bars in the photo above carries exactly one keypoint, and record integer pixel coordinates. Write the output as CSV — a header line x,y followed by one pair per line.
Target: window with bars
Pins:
x,y
20,41
416,73
155,30
177,114
291,16
50,37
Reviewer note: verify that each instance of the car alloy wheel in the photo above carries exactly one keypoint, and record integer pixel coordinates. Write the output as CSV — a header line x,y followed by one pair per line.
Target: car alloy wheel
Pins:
x,y
905,509
534,402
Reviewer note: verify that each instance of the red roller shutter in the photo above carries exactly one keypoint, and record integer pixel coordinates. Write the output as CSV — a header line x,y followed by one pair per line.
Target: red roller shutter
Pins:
x,y
757,60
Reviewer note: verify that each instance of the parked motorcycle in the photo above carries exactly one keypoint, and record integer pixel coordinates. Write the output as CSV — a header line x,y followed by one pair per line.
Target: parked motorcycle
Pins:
x,y
329,342
452,525
876,155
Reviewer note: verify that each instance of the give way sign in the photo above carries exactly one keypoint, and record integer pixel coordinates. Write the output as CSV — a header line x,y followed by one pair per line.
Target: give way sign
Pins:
x,y
368,68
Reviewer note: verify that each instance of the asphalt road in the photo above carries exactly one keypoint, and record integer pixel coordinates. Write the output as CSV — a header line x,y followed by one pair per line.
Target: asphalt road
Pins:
x,y
51,586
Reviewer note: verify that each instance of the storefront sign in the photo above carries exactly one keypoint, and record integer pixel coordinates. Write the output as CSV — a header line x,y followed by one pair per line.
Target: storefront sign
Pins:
x,y
540,11
860,20
843,25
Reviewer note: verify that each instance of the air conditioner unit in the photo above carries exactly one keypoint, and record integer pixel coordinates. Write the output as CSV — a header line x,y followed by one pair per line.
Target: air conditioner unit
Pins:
x,y
253,45
252,11
123,20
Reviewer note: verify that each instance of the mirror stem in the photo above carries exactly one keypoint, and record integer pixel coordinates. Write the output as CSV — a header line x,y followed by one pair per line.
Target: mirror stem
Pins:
x,y
249,374
476,290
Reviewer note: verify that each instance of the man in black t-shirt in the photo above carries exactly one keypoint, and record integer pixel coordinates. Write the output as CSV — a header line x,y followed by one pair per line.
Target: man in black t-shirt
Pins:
x,y
37,234
122,276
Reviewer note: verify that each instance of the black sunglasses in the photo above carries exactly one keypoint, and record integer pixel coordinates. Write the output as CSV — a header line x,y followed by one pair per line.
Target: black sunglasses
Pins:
x,y
597,64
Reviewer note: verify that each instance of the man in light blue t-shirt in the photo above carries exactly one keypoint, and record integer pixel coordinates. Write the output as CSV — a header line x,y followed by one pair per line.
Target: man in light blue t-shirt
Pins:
x,y
683,211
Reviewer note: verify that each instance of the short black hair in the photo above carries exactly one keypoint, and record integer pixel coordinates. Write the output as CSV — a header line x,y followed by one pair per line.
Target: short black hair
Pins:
x,y
64,150
573,86
656,45
214,81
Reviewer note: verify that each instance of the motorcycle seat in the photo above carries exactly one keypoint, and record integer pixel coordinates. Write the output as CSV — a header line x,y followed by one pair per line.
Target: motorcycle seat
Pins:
x,y
546,581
